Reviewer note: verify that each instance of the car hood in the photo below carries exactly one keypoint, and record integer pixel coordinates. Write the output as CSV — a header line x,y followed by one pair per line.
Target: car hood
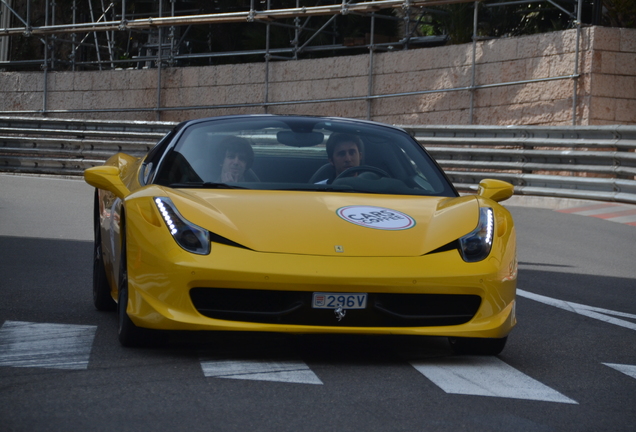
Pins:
x,y
337,224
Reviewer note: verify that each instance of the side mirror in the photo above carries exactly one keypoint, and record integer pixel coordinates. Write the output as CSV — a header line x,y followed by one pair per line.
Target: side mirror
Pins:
x,y
495,190
106,177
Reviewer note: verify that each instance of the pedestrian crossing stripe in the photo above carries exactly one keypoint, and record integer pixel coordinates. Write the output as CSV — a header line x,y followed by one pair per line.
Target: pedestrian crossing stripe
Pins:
x,y
289,371
628,370
485,376
54,346
68,346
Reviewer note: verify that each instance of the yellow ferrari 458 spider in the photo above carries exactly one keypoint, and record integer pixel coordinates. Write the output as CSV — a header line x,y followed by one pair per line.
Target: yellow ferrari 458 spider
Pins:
x,y
300,225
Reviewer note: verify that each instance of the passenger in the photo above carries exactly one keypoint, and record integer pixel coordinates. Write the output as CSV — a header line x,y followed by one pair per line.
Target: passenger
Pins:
x,y
237,157
344,151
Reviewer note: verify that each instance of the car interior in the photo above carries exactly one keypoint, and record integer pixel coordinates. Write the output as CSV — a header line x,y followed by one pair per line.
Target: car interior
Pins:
x,y
293,156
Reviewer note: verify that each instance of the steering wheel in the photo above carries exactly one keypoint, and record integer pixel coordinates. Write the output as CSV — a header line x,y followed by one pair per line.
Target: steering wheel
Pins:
x,y
349,172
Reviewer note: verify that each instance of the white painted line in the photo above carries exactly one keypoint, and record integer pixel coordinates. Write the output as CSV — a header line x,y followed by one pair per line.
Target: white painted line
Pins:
x,y
289,371
588,311
54,346
485,376
626,369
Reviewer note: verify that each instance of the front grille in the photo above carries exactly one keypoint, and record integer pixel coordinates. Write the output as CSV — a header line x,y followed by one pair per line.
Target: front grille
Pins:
x,y
294,308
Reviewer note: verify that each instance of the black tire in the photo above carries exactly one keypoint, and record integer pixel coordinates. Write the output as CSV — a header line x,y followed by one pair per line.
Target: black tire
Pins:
x,y
102,298
128,333
477,346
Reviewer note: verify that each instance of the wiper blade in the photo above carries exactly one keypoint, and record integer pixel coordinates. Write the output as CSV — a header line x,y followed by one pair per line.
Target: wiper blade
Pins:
x,y
204,185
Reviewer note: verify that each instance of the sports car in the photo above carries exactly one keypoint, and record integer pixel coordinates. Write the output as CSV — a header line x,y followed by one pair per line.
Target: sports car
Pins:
x,y
300,225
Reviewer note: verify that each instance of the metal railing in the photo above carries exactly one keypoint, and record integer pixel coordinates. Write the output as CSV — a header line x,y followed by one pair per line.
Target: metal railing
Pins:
x,y
68,147
584,162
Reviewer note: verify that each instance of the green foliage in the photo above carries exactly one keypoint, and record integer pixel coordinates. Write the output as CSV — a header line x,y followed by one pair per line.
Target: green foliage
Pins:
x,y
454,21
620,13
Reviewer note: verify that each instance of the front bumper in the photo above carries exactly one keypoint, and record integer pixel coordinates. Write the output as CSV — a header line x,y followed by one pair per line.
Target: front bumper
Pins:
x,y
163,280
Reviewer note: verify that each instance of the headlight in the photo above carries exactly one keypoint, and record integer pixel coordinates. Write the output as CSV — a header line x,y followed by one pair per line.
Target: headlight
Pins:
x,y
476,245
187,235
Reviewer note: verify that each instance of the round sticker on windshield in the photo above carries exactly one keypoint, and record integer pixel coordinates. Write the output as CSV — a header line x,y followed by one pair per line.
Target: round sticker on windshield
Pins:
x,y
376,217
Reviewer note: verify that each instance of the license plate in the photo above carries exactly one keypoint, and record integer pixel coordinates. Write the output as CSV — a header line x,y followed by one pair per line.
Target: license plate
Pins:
x,y
323,300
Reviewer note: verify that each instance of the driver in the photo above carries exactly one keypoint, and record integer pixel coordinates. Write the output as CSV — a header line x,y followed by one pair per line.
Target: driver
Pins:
x,y
344,151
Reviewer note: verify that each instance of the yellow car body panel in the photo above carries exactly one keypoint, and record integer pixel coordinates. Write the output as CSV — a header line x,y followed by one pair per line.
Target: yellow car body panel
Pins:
x,y
160,300
285,240
161,273
293,223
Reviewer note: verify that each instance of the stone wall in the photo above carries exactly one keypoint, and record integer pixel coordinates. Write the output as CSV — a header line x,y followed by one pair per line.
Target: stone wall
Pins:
x,y
606,89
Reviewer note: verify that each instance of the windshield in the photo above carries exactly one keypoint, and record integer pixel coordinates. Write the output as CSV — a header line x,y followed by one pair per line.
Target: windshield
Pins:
x,y
300,153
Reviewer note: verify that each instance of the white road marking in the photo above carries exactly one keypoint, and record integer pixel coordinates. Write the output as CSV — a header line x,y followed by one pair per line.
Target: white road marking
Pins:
x,y
588,311
485,376
626,369
289,371
54,346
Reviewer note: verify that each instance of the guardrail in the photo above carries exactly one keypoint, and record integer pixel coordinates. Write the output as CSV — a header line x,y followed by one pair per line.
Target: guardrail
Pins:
x,y
68,146
585,162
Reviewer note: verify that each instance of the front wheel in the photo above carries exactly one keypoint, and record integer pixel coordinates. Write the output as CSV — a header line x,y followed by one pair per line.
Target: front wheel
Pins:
x,y
477,346
128,333
102,298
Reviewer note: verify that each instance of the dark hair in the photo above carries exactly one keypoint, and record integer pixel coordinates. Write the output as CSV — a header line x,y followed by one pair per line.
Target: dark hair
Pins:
x,y
339,138
238,145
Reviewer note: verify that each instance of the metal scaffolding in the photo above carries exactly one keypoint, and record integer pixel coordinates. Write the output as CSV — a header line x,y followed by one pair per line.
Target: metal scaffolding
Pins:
x,y
166,34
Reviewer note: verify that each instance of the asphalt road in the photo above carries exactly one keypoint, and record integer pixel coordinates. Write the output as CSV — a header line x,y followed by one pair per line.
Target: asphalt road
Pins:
x,y
570,364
